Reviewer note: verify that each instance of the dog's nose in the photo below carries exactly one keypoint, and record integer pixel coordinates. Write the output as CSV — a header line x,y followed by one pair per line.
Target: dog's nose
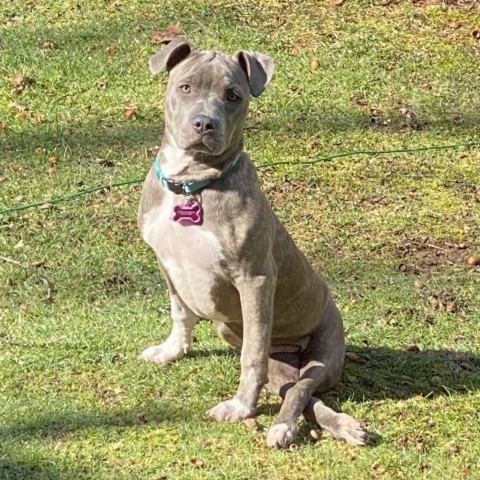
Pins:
x,y
203,124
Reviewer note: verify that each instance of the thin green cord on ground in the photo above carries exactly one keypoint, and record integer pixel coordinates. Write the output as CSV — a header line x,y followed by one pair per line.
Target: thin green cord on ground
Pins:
x,y
262,165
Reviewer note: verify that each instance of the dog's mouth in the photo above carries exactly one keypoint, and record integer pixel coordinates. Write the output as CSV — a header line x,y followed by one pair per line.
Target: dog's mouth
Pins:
x,y
206,143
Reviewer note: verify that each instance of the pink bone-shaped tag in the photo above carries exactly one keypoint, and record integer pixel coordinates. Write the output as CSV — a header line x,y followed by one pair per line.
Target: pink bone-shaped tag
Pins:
x,y
188,213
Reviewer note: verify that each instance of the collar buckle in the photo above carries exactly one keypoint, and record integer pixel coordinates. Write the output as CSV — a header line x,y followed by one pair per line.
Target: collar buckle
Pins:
x,y
173,186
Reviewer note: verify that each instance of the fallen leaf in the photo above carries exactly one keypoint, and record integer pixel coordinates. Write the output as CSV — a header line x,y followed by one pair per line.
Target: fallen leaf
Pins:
x,y
105,162
46,206
452,307
131,111
19,80
3,126
197,462
453,447
37,119
166,36
473,260
378,469
351,456
48,45
52,170
336,3
419,284
251,423
420,444
314,64
205,442
121,279
21,107
435,303
466,366
111,48
142,418
351,357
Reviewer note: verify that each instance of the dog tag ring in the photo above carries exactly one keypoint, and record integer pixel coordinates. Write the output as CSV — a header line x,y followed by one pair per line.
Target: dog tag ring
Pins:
x,y
189,212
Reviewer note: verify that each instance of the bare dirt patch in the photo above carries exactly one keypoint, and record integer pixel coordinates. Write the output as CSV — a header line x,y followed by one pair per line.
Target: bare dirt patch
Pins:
x,y
419,254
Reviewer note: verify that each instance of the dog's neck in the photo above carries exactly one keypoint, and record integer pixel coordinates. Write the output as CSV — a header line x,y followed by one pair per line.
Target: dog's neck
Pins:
x,y
184,165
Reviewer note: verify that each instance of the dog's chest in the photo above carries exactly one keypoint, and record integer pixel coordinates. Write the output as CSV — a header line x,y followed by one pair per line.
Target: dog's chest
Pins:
x,y
191,255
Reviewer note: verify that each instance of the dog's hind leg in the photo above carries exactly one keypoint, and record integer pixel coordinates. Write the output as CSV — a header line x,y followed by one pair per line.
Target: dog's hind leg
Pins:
x,y
296,397
341,425
320,370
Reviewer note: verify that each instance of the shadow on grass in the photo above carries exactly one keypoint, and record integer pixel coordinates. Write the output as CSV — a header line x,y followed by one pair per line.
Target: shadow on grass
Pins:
x,y
33,468
84,141
56,425
379,373
17,463
382,373
36,466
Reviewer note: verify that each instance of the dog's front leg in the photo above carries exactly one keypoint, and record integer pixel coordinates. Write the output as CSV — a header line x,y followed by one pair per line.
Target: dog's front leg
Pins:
x,y
256,296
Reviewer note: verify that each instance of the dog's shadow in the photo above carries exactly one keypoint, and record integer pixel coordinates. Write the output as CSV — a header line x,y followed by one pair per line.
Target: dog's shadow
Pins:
x,y
378,373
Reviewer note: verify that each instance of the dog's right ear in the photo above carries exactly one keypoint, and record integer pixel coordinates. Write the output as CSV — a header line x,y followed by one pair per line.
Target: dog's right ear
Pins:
x,y
175,52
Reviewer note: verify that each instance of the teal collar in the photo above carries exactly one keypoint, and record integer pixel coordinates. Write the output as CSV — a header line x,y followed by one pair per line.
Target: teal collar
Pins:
x,y
188,187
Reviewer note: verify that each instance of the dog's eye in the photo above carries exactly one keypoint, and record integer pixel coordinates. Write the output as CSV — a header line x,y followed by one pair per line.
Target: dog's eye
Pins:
x,y
185,88
232,97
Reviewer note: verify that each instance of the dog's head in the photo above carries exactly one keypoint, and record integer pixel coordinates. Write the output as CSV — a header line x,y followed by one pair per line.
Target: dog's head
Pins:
x,y
208,93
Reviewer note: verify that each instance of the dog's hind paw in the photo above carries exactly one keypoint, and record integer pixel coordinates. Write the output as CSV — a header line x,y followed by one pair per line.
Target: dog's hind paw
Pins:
x,y
230,410
347,428
281,435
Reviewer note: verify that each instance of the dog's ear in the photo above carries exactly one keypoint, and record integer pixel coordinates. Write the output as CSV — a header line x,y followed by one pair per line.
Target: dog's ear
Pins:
x,y
259,69
176,51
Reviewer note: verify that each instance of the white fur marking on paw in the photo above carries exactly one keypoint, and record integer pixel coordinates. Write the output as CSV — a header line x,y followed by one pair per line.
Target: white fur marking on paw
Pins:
x,y
231,410
280,435
164,353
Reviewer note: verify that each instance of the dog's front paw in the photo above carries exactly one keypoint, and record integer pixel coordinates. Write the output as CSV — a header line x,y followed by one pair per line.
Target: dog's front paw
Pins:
x,y
347,428
281,435
165,353
230,410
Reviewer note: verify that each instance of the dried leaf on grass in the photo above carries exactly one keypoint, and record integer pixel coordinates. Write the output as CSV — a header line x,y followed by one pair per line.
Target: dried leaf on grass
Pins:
x,y
166,36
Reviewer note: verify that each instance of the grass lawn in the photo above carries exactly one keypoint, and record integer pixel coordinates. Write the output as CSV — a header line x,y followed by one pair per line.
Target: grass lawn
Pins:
x,y
81,295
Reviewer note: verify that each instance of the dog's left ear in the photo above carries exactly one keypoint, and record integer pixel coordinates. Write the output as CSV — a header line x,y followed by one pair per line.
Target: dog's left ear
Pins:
x,y
259,69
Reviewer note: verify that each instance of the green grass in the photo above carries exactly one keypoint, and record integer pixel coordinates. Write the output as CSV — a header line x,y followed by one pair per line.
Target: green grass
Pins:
x,y
75,403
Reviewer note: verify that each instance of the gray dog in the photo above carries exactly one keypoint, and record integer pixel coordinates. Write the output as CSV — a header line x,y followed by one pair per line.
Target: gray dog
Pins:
x,y
224,254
